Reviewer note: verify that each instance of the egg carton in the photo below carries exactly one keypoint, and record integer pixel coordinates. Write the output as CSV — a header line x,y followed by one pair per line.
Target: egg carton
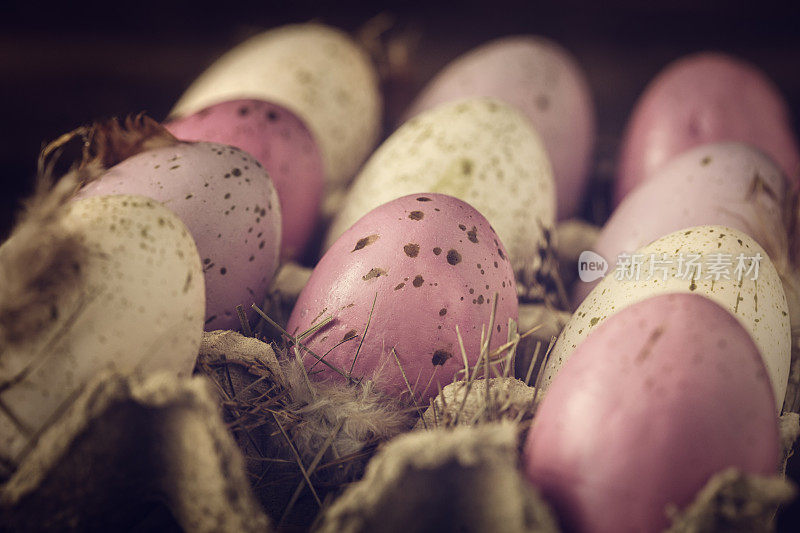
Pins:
x,y
134,450
155,452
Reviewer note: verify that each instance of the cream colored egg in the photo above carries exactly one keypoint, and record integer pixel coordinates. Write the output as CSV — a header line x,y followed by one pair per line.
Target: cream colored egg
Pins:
x,y
481,151
670,265
318,72
139,307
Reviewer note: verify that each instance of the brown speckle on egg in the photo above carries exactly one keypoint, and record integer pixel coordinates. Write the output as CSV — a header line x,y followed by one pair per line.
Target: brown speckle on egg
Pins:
x,y
374,273
442,311
472,234
411,249
418,281
416,215
365,241
453,257
440,357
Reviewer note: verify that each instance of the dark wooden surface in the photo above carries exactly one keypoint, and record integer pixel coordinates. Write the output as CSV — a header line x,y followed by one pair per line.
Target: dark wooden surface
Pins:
x,y
66,64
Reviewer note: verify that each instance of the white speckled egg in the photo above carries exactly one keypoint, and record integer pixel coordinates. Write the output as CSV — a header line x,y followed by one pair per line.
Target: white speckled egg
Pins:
x,y
316,71
545,82
760,304
479,150
230,206
138,307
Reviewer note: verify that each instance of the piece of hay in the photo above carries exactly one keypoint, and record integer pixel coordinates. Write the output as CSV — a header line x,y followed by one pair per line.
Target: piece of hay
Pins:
x,y
462,479
789,427
283,292
545,324
131,450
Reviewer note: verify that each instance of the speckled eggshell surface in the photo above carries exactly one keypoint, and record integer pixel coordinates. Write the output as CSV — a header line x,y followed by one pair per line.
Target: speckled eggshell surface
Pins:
x,y
281,143
543,81
429,262
703,98
318,72
759,305
230,206
138,307
729,184
658,399
481,151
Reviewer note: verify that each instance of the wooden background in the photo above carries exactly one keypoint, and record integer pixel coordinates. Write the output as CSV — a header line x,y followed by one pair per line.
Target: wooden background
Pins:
x,y
62,66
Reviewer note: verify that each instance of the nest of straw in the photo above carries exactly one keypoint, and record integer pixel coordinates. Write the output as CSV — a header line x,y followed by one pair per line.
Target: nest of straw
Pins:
x,y
305,441
302,441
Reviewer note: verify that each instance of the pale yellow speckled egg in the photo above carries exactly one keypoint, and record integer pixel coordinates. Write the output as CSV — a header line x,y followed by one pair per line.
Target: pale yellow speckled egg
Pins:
x,y
318,72
139,307
759,304
481,151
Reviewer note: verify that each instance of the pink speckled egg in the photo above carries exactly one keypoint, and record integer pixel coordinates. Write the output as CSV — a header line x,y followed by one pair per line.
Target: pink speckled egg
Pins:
x,y
282,143
727,184
429,262
703,98
662,396
228,203
543,81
